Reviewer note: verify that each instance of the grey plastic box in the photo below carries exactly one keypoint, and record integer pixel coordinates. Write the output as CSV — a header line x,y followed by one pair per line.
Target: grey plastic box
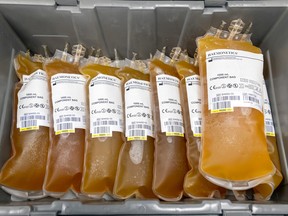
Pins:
x,y
142,27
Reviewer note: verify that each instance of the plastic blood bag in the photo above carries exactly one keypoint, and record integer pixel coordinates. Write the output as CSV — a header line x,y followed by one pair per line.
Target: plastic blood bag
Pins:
x,y
105,127
266,189
170,162
135,167
67,134
234,152
195,185
25,170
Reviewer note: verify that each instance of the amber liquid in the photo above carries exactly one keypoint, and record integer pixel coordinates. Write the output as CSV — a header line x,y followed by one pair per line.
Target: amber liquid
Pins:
x,y
101,154
195,185
265,190
66,153
170,162
135,179
25,169
233,143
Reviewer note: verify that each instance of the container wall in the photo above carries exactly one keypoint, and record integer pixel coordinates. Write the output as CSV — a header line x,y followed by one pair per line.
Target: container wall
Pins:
x,y
275,45
132,26
142,27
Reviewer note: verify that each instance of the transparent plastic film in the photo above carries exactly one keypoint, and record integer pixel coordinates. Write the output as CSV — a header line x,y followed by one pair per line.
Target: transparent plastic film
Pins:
x,y
30,131
104,127
195,185
135,167
234,150
266,189
67,133
170,162
234,31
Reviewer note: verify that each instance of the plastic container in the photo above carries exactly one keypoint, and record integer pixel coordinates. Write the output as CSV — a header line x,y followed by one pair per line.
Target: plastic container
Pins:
x,y
142,27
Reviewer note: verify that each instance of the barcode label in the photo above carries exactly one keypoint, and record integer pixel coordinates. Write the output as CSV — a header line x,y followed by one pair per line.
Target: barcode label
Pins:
x,y
138,110
177,123
106,108
176,129
99,123
225,98
33,106
65,128
236,79
194,103
270,123
196,127
197,131
32,117
139,126
68,119
224,106
30,122
103,131
251,98
29,125
170,110
269,128
68,102
137,135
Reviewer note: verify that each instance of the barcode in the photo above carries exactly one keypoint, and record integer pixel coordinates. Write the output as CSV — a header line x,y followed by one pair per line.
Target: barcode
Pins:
x,y
68,119
65,126
102,130
139,126
222,105
269,129
99,123
225,98
269,123
251,98
177,123
172,129
137,133
28,123
32,117
197,130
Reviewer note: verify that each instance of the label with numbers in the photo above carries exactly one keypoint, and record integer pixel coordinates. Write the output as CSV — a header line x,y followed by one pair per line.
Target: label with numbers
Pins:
x,y
234,79
194,103
269,124
33,102
169,105
138,110
106,110
69,101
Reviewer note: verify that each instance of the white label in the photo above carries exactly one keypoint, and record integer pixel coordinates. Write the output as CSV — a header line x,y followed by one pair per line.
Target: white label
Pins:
x,y
138,110
106,110
234,79
169,105
33,102
69,101
269,124
194,103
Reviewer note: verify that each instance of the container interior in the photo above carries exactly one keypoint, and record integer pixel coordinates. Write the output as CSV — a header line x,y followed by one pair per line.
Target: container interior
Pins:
x,y
142,27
